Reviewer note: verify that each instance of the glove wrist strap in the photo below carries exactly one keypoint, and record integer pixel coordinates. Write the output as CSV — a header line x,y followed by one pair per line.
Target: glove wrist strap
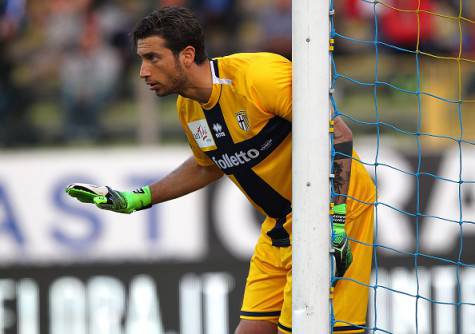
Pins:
x,y
339,214
340,209
139,199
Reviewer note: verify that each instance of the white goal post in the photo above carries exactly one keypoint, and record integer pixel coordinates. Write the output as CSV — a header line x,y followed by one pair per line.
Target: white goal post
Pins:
x,y
311,167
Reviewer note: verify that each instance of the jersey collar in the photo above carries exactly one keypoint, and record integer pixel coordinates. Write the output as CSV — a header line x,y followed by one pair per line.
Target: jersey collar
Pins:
x,y
217,82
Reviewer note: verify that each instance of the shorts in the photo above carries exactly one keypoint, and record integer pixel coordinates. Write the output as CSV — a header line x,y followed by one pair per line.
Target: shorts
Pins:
x,y
268,292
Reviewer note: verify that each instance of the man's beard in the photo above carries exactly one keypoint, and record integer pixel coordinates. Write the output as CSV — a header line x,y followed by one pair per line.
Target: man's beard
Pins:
x,y
177,83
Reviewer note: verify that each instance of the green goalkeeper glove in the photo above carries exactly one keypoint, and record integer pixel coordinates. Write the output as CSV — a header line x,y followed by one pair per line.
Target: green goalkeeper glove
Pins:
x,y
341,246
108,199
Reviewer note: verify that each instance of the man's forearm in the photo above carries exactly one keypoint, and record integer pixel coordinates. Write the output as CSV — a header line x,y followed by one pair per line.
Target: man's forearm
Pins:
x,y
343,144
342,163
341,181
187,178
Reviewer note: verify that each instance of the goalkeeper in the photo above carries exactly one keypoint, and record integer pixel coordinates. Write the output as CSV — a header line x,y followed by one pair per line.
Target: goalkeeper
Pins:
x,y
236,112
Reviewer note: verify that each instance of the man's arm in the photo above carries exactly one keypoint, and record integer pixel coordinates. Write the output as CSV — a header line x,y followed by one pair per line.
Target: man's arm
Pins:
x,y
343,142
187,178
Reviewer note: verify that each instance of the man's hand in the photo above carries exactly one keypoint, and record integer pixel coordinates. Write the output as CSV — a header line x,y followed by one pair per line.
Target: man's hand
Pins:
x,y
341,246
108,199
342,250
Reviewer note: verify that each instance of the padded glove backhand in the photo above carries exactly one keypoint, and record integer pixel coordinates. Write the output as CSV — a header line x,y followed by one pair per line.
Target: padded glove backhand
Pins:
x,y
109,199
341,246
341,249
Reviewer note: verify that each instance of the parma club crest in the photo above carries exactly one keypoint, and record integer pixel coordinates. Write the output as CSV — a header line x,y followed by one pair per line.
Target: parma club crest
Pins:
x,y
242,120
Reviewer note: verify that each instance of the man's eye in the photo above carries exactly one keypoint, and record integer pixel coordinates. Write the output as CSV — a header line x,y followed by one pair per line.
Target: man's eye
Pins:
x,y
151,57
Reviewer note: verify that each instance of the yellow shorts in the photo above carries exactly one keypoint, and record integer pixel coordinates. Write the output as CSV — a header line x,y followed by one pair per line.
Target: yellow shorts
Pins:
x,y
268,293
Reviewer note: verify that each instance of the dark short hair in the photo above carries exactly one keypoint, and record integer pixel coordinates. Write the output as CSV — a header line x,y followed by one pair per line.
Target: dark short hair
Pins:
x,y
178,26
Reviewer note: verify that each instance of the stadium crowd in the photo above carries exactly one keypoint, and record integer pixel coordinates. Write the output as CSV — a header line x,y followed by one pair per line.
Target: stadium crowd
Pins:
x,y
63,62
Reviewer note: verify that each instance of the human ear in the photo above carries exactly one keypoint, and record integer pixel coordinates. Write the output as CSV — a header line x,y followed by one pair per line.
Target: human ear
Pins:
x,y
188,55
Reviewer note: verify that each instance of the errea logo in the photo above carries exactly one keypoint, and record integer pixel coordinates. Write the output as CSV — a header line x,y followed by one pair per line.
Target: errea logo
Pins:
x,y
218,130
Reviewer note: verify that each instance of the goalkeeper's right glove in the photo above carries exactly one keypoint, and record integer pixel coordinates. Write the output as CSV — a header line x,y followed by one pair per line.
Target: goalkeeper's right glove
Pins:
x,y
108,199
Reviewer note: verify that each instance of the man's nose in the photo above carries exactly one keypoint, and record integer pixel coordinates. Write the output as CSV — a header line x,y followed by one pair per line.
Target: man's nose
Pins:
x,y
144,71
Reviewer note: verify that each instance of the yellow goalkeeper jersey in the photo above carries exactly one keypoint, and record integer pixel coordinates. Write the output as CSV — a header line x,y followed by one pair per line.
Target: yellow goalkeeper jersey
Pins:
x,y
245,129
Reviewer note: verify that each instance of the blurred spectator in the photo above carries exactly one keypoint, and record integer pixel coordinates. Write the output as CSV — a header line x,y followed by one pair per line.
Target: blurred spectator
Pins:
x,y
353,18
116,20
89,75
14,99
221,22
468,46
276,22
64,22
11,13
405,29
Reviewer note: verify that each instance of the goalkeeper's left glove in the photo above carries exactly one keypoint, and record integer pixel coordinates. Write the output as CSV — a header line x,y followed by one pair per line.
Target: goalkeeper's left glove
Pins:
x,y
109,199
341,246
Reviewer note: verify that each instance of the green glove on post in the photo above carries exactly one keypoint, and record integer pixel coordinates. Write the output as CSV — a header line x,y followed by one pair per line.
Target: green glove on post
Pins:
x,y
340,244
108,199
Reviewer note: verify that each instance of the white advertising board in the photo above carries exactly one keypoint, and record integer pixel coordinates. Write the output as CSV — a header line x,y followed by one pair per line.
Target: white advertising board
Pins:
x,y
39,222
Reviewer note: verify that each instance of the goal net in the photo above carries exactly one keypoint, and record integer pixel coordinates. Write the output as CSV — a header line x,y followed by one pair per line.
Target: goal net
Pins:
x,y
403,77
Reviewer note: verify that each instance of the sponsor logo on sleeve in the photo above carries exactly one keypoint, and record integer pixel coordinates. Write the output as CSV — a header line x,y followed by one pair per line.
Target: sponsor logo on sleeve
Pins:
x,y
202,134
